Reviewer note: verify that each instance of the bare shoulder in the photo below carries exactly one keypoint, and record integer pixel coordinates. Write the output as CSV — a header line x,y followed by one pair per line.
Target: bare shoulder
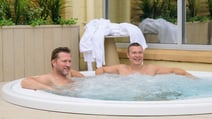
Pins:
x,y
44,76
113,68
116,67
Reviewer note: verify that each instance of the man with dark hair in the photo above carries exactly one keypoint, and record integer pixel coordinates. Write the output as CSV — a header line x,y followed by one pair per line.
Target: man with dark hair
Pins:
x,y
135,54
61,72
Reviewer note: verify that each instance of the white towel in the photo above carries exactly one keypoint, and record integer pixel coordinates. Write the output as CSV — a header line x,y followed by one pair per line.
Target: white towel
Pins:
x,y
167,32
135,34
92,41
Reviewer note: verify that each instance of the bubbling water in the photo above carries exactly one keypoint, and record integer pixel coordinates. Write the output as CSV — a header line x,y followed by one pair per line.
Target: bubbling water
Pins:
x,y
137,87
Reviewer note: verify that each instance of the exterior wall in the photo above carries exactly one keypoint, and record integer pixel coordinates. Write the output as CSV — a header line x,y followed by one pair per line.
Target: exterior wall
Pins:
x,y
26,51
84,10
119,11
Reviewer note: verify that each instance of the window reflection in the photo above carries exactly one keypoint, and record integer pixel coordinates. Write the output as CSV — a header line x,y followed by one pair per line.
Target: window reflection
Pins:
x,y
198,22
158,21
160,18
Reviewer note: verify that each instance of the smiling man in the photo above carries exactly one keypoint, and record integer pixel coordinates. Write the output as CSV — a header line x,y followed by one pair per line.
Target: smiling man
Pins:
x,y
60,76
135,54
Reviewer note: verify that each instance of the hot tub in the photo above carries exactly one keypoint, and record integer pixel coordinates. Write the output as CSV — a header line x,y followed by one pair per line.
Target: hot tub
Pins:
x,y
13,93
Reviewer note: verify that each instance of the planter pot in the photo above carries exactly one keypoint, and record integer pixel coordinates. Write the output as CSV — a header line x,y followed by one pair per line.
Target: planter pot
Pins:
x,y
197,33
26,50
151,38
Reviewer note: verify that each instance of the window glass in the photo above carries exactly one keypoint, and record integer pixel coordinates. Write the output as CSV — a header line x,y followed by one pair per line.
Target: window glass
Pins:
x,y
158,19
198,23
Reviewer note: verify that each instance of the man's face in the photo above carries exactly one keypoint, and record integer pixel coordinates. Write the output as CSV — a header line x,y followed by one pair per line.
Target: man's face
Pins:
x,y
62,64
135,55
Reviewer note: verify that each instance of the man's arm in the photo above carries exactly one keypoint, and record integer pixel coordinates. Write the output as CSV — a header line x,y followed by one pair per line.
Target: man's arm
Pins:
x,y
34,84
178,71
108,69
75,73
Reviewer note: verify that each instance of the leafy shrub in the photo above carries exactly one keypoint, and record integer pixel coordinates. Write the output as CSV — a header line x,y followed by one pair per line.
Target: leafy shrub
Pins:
x,y
6,22
167,9
159,9
193,7
33,12
210,7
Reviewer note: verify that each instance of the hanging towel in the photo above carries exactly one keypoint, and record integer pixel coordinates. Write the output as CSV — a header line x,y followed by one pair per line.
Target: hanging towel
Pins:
x,y
92,41
135,34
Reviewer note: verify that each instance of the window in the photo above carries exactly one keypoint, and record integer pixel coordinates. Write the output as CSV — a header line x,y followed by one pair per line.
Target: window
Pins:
x,y
173,24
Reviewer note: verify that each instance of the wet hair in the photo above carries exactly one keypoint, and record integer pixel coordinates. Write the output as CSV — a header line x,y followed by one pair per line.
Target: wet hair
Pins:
x,y
56,51
133,44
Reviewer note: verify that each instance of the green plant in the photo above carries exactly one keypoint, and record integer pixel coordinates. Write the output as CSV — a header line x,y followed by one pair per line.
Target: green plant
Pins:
x,y
20,11
166,9
6,22
68,22
33,12
43,4
197,18
210,7
5,12
146,7
50,9
169,10
151,8
37,22
193,7
55,7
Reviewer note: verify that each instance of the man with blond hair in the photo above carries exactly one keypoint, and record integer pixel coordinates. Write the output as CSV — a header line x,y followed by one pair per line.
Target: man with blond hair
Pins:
x,y
60,76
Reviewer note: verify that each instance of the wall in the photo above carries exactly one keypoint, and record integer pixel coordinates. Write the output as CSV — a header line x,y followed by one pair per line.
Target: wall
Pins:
x,y
119,11
26,51
84,10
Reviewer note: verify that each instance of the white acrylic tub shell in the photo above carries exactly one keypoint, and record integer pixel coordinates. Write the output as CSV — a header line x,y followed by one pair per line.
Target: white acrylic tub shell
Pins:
x,y
13,93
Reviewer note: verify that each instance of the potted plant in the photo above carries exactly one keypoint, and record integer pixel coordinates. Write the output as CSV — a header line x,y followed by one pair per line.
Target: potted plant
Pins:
x,y
30,29
196,26
33,12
